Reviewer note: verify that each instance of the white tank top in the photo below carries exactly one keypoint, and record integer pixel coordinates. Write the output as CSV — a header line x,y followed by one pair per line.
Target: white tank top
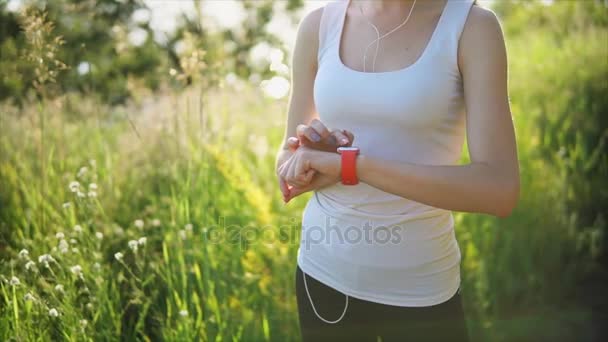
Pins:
x,y
415,114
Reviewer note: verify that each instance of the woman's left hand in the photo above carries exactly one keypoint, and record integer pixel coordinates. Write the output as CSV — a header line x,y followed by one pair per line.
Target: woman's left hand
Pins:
x,y
319,181
299,170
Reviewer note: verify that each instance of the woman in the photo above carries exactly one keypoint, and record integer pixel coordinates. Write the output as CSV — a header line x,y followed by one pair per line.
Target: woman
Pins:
x,y
378,255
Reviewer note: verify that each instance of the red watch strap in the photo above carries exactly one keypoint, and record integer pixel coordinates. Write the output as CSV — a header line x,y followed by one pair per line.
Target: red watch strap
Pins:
x,y
349,167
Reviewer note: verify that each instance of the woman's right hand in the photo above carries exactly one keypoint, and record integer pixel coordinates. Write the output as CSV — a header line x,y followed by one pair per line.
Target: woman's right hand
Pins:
x,y
291,145
317,136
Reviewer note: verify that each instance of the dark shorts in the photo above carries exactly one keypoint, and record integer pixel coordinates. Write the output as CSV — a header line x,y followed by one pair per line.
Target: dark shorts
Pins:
x,y
370,321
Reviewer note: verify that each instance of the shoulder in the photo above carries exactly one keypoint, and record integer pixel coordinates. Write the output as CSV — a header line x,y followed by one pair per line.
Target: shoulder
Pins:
x,y
481,23
308,28
482,39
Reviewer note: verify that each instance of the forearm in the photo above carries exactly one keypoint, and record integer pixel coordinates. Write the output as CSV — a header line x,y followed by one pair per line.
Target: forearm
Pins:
x,y
475,187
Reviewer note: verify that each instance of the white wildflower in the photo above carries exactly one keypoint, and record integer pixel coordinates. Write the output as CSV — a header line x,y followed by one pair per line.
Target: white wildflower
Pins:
x,y
93,162
59,235
139,224
73,241
142,240
15,281
188,227
89,306
118,256
92,194
78,228
24,254
59,288
156,222
83,323
53,313
74,186
99,235
182,234
133,245
93,187
81,194
66,205
82,171
97,266
76,269
45,259
183,313
28,296
30,265
75,250
63,246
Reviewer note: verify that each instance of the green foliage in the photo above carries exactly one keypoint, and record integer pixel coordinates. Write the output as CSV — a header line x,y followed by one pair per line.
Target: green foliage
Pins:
x,y
93,33
533,276
105,62
192,174
186,218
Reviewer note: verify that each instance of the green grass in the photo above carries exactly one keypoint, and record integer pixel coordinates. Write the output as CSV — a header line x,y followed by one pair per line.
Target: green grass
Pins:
x,y
232,282
220,247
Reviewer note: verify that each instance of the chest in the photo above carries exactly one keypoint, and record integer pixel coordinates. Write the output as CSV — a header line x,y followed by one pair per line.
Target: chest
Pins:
x,y
421,96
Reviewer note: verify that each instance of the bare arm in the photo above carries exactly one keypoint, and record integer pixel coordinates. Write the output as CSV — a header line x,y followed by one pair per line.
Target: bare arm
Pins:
x,y
301,107
490,182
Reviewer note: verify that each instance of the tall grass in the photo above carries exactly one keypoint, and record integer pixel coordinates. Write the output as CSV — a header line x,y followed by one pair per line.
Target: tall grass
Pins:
x,y
162,220
169,242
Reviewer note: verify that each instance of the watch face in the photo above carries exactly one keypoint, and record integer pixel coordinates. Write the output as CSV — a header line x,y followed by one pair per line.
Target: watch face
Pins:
x,y
344,149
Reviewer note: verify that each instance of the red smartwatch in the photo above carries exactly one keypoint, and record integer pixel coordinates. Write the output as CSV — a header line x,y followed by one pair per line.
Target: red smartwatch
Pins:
x,y
349,165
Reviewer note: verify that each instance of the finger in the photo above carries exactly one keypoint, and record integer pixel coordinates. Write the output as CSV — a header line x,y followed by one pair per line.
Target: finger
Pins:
x,y
295,182
297,191
297,172
320,128
288,173
284,170
305,178
284,188
295,179
309,175
293,143
306,134
341,138
282,167
350,136
301,170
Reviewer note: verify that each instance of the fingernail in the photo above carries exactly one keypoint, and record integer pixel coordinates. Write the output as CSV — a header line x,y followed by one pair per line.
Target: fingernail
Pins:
x,y
315,137
344,141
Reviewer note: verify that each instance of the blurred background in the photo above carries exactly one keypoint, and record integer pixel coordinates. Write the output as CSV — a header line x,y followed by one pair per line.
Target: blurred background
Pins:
x,y
137,192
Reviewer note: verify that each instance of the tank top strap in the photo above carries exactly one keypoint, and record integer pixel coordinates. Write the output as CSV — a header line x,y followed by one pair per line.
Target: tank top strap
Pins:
x,y
329,26
456,17
452,24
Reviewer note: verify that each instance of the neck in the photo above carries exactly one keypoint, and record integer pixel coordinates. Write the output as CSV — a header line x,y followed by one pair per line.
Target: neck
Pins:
x,y
388,5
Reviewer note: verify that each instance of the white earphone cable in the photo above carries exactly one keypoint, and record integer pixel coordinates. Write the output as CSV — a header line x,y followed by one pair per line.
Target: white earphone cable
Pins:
x,y
373,69
380,37
315,310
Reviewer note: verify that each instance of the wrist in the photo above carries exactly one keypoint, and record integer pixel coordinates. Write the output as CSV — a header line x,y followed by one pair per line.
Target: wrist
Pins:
x,y
361,166
328,163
